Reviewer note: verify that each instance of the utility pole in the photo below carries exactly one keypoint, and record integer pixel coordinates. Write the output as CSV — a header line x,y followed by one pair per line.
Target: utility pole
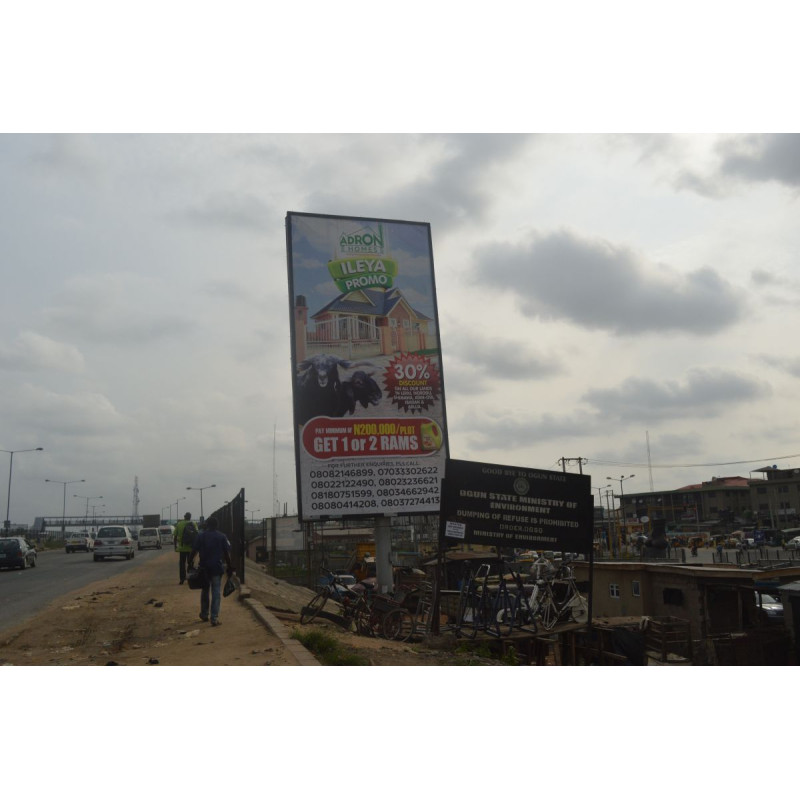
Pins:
x,y
580,462
621,497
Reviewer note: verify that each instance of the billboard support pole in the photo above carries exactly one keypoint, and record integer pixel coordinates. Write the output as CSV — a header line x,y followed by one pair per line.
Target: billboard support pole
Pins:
x,y
383,549
273,527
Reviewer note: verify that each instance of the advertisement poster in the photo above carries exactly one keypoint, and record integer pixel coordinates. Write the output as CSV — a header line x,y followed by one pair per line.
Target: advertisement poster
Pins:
x,y
370,428
516,507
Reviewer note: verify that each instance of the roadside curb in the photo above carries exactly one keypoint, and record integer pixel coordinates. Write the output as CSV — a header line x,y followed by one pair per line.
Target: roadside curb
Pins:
x,y
300,654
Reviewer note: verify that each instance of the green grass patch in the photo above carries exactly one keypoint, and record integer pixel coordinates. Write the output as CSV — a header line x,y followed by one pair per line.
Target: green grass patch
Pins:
x,y
328,650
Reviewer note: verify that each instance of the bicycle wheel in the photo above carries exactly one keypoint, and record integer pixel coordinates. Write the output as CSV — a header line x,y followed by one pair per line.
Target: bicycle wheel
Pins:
x,y
504,613
398,625
313,608
368,623
579,608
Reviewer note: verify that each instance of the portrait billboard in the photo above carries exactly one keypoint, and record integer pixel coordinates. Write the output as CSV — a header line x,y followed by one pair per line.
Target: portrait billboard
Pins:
x,y
516,507
368,395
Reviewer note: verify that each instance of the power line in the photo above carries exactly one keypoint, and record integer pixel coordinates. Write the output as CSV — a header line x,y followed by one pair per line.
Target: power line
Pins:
x,y
687,466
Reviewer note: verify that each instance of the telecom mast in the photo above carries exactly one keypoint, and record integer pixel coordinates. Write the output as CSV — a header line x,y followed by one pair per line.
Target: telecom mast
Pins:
x,y
135,512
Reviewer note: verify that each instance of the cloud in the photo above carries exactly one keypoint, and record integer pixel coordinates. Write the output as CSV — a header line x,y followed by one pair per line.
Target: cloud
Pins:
x,y
72,156
704,393
83,414
31,351
514,430
763,157
788,365
753,158
442,179
457,188
476,363
229,210
118,308
599,285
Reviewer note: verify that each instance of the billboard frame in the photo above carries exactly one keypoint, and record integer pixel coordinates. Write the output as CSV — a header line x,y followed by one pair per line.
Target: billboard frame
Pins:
x,y
504,506
415,423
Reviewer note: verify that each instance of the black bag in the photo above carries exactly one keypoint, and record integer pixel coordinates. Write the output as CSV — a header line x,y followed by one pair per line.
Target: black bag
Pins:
x,y
189,534
197,578
231,585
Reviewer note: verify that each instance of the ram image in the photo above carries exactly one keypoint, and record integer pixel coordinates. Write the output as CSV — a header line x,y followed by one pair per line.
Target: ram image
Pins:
x,y
360,388
319,387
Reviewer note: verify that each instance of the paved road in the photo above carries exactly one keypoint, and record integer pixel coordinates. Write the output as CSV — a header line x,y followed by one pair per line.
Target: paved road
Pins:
x,y
24,593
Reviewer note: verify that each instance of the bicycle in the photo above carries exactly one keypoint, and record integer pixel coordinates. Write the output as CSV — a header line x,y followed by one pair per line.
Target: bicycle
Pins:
x,y
330,589
561,601
472,603
518,610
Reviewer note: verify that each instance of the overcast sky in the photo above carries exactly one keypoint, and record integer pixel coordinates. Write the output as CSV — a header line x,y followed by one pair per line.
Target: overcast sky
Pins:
x,y
593,289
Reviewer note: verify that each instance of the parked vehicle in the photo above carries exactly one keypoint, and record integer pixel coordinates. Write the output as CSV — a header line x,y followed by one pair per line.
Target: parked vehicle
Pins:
x,y
343,580
16,553
79,541
167,534
149,537
793,544
114,540
770,605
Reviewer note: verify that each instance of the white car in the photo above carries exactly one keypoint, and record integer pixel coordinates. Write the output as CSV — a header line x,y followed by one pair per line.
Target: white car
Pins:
x,y
79,541
793,544
167,533
114,540
149,537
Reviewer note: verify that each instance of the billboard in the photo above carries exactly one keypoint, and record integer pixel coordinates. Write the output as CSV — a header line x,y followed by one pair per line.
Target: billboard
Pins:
x,y
501,506
368,394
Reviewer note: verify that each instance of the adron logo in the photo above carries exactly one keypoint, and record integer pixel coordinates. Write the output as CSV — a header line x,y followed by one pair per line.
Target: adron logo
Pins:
x,y
366,241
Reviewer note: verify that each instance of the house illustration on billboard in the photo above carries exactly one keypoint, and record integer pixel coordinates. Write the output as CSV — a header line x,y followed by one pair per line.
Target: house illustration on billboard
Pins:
x,y
363,323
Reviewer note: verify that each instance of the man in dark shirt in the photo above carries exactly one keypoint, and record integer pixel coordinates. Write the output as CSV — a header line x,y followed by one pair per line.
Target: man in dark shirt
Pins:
x,y
214,549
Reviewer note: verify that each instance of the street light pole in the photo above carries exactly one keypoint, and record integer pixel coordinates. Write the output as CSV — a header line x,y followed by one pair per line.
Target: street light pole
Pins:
x,y
621,499
87,499
7,523
64,507
177,510
201,490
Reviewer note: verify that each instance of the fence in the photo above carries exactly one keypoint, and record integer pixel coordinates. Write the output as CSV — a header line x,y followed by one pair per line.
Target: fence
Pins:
x,y
762,557
346,336
230,520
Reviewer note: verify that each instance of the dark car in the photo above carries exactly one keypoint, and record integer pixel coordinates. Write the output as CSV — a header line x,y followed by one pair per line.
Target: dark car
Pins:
x,y
16,553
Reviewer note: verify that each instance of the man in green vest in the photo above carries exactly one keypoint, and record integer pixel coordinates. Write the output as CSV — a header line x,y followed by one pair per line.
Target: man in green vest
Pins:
x,y
185,534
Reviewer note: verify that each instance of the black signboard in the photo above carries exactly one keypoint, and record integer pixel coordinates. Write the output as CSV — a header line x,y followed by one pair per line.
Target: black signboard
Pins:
x,y
501,506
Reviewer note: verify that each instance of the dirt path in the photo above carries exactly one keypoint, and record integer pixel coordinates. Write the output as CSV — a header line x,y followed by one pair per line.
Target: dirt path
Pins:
x,y
143,617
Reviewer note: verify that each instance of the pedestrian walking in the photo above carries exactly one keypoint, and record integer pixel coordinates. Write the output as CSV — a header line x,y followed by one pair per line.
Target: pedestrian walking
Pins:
x,y
185,535
214,550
